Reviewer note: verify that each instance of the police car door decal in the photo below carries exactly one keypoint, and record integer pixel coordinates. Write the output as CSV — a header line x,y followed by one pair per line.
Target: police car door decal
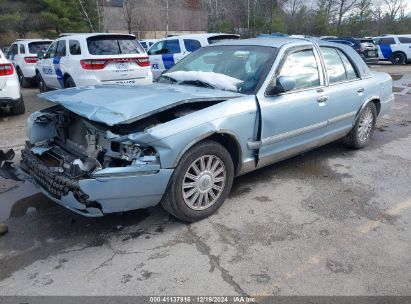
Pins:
x,y
168,61
57,68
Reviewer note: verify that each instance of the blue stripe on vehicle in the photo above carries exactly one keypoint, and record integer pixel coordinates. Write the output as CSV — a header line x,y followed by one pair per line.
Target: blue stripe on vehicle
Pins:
x,y
59,73
386,51
168,61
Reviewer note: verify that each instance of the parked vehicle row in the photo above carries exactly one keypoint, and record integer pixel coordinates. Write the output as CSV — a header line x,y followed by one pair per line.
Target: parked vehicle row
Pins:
x,y
225,110
167,52
10,95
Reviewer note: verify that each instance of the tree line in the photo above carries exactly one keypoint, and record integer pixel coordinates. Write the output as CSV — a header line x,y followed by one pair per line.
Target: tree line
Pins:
x,y
316,17
246,17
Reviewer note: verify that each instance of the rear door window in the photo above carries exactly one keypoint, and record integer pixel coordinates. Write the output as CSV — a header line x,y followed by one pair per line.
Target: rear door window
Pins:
x,y
339,67
388,40
404,39
75,48
37,47
113,45
191,45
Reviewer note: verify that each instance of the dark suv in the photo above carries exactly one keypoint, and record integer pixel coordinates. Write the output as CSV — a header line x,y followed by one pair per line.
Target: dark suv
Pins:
x,y
365,47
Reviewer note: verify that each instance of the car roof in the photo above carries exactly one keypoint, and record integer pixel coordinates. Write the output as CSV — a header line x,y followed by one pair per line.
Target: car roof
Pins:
x,y
269,41
201,35
33,40
87,35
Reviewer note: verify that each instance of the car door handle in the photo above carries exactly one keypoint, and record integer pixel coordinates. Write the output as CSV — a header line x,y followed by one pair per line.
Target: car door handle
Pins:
x,y
323,99
360,90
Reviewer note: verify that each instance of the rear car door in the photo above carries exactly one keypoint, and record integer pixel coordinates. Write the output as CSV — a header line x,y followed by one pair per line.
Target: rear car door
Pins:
x,y
345,91
295,120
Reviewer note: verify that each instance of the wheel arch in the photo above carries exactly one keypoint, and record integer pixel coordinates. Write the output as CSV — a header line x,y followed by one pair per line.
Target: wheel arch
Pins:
x,y
224,137
374,99
400,52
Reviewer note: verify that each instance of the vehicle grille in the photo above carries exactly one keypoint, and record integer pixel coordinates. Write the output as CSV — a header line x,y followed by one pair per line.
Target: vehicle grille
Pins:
x,y
55,183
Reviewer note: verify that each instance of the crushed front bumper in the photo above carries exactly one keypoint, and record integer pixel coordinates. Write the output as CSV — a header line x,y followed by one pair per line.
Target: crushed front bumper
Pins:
x,y
90,196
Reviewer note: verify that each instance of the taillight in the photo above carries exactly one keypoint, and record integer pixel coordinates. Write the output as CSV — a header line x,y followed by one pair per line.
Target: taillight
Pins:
x,y
6,69
31,59
93,64
99,64
143,62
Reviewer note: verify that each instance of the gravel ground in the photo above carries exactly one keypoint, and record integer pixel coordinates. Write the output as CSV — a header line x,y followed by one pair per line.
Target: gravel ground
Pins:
x,y
329,222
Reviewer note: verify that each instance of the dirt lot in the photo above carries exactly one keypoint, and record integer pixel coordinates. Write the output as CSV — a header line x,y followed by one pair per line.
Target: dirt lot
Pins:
x,y
330,222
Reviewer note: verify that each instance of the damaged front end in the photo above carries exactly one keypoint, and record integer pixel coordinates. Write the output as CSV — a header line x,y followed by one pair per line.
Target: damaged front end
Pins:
x,y
76,163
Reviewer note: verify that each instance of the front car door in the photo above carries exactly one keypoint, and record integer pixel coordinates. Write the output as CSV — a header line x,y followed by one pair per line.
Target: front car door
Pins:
x,y
163,55
47,67
295,120
59,61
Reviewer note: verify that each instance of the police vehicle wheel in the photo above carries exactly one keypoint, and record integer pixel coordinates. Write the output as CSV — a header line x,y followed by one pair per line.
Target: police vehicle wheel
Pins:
x,y
41,84
398,58
69,83
200,183
18,108
363,129
23,81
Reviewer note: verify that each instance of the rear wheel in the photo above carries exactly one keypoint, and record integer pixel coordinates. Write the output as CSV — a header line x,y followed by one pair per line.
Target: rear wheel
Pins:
x,y
363,129
398,58
18,108
23,81
201,182
69,83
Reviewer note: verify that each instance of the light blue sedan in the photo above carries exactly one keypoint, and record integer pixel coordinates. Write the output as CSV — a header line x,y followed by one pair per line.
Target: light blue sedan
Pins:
x,y
223,111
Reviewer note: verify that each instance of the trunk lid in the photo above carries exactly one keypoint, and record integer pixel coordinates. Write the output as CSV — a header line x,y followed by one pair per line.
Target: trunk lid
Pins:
x,y
115,104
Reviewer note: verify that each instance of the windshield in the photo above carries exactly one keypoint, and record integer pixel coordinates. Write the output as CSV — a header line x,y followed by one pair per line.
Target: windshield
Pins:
x,y
232,68
113,45
37,47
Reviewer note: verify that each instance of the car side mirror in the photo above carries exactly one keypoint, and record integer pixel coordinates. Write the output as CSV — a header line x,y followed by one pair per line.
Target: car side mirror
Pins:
x,y
282,84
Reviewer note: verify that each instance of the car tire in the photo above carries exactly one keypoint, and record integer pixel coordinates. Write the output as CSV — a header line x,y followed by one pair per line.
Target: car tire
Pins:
x,y
200,183
69,83
361,133
398,58
41,84
18,108
24,83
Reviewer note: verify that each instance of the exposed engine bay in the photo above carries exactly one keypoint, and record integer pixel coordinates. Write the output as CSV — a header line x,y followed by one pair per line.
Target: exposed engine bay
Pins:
x,y
77,147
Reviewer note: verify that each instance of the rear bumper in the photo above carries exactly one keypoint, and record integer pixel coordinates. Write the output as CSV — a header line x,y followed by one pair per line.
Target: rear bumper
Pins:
x,y
9,102
94,197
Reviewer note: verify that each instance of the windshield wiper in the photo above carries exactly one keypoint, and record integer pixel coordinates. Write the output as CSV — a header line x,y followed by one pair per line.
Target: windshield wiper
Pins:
x,y
198,83
168,78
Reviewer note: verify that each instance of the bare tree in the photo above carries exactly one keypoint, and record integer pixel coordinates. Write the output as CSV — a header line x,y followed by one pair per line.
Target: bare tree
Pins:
x,y
394,8
129,7
344,6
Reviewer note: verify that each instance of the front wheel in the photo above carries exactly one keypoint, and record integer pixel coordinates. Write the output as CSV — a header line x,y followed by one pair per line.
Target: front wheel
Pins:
x,y
201,182
361,133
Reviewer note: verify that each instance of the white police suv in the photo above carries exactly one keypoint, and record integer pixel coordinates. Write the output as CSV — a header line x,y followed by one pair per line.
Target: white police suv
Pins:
x,y
396,48
23,54
92,59
10,95
167,52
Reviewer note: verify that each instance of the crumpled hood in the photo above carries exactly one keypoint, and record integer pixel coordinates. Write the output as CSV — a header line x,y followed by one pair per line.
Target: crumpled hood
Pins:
x,y
115,104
